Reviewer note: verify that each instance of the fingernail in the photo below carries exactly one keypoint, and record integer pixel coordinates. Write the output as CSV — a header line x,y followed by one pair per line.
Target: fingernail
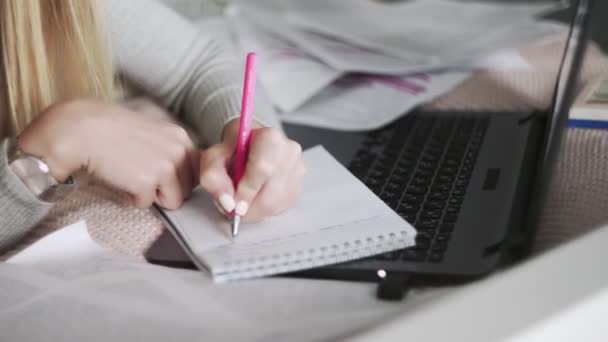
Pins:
x,y
241,208
227,202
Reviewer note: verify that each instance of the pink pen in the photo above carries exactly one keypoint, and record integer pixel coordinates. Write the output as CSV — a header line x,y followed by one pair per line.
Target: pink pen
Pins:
x,y
244,135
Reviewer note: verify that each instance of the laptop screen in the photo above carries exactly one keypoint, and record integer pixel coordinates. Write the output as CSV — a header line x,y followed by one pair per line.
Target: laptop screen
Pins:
x,y
567,80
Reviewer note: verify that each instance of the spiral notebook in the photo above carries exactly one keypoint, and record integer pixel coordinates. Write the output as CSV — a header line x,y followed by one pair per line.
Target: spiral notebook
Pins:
x,y
336,219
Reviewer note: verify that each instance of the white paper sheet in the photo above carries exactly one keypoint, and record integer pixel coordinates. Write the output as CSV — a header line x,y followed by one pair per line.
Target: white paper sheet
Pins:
x,y
423,30
335,54
289,75
346,57
429,46
335,219
508,60
121,299
68,243
300,85
363,102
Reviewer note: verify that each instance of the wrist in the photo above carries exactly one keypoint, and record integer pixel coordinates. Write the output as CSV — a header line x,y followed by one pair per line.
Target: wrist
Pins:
x,y
35,175
48,139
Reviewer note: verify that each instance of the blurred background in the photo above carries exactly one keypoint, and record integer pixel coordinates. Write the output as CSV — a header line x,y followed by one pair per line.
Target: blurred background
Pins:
x,y
599,26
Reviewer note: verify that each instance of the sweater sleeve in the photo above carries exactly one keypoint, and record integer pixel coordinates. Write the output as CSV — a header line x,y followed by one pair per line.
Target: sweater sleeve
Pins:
x,y
186,69
20,210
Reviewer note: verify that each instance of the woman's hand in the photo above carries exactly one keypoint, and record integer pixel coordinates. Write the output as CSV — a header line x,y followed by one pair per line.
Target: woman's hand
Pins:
x,y
272,180
153,160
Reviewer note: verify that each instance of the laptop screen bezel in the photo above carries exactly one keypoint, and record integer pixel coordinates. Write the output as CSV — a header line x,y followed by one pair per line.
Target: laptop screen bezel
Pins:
x,y
557,120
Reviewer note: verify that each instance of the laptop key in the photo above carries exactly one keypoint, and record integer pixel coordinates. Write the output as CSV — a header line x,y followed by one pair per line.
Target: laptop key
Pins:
x,y
416,190
425,234
467,170
421,181
434,204
409,157
451,162
392,187
440,196
404,170
389,195
460,188
393,204
413,198
458,192
435,149
430,215
456,201
452,209
445,179
431,159
442,187
421,173
406,214
439,246
372,181
427,224
461,183
442,237
409,208
379,174
423,243
449,217
410,218
446,227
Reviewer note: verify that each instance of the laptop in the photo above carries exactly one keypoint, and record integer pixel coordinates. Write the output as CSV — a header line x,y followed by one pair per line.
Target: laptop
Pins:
x,y
471,183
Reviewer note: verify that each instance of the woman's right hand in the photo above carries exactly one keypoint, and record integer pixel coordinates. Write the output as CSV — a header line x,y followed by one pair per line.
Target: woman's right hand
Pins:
x,y
153,160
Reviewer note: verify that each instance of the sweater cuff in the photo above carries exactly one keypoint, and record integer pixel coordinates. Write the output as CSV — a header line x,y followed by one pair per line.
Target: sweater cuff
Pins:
x,y
225,107
20,209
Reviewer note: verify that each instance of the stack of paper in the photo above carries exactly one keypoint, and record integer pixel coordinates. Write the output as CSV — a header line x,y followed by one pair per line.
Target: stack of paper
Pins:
x,y
360,64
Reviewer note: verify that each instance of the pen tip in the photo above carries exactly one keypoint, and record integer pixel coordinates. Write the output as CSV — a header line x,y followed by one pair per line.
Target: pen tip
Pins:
x,y
236,221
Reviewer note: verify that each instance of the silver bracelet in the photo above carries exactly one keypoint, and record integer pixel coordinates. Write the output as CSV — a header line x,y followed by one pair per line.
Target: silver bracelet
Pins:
x,y
35,174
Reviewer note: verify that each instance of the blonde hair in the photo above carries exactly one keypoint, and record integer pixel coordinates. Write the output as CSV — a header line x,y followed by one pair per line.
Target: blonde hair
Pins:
x,y
50,50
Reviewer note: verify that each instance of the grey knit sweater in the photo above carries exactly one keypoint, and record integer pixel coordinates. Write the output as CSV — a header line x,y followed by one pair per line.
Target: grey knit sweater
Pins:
x,y
165,55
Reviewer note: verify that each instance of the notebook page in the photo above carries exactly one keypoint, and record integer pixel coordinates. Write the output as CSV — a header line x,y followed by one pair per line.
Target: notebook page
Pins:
x,y
335,219
365,102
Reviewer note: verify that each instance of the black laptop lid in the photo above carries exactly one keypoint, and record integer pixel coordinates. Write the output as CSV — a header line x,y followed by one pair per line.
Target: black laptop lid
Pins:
x,y
568,77
557,120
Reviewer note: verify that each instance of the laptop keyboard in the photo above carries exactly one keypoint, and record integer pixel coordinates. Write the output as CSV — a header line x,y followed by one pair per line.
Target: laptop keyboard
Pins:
x,y
420,167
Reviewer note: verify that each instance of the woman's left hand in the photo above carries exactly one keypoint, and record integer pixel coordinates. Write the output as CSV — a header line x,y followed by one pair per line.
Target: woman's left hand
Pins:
x,y
272,180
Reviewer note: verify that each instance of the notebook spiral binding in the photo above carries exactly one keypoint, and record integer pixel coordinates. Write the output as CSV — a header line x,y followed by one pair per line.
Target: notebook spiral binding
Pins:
x,y
300,259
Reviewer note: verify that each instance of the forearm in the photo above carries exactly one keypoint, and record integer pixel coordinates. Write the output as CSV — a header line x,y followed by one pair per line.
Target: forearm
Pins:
x,y
191,70
212,97
20,210
213,102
